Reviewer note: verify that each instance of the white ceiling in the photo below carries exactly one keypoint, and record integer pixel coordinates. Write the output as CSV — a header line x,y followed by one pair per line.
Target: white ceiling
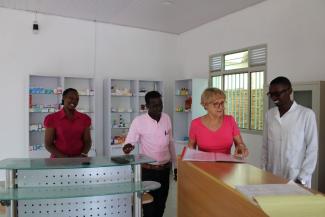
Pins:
x,y
172,16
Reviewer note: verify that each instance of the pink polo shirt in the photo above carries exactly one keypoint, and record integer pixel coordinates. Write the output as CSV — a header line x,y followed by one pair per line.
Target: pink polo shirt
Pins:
x,y
155,139
68,133
220,140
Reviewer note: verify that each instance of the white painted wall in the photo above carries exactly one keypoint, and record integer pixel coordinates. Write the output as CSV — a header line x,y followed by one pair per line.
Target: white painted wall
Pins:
x,y
292,29
71,47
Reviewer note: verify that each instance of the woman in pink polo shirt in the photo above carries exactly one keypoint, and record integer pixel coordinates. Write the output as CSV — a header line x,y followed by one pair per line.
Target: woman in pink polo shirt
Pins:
x,y
215,131
67,132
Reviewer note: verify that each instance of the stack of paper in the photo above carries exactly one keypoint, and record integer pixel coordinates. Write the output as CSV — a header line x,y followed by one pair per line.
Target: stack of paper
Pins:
x,y
283,200
195,155
252,191
293,206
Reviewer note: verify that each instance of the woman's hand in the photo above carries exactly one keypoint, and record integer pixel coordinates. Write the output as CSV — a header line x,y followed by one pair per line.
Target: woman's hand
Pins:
x,y
241,151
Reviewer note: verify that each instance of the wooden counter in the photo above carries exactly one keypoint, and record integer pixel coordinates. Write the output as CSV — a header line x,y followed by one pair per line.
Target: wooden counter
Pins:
x,y
207,189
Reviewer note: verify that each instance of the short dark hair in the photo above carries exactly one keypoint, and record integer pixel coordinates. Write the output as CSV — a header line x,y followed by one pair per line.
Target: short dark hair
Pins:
x,y
282,81
151,95
66,91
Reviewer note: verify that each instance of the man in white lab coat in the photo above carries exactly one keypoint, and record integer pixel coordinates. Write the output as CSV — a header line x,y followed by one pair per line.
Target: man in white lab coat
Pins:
x,y
290,140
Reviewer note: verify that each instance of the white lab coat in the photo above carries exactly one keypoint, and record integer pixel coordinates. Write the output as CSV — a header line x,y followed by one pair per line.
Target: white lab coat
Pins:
x,y
290,143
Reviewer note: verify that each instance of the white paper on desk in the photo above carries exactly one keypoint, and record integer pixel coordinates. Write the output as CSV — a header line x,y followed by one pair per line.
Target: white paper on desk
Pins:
x,y
195,155
252,191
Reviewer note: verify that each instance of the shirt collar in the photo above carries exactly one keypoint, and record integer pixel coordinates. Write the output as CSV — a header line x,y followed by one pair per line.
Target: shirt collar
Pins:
x,y
153,120
292,108
63,115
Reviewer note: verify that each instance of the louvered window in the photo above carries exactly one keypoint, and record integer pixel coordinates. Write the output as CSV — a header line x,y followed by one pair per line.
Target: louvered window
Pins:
x,y
215,63
241,75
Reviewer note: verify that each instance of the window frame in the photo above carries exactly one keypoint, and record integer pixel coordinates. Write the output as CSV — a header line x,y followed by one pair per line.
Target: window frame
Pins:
x,y
250,69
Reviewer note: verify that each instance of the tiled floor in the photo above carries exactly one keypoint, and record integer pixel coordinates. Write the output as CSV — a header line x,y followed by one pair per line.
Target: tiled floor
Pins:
x,y
171,203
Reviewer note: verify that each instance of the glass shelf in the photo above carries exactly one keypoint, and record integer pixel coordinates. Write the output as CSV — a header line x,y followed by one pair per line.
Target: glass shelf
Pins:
x,y
181,142
123,95
120,127
33,193
117,146
68,163
40,112
53,94
182,95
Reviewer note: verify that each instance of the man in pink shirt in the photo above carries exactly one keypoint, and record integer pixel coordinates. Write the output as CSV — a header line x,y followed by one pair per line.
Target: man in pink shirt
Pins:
x,y
153,131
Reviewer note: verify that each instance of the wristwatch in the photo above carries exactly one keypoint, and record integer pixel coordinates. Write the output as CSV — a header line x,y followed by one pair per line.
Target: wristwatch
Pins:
x,y
300,181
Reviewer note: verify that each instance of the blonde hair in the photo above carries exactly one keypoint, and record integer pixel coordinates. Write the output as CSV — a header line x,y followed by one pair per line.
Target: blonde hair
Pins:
x,y
210,94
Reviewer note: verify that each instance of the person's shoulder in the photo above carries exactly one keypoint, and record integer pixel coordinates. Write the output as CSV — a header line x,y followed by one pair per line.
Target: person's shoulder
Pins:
x,y
83,115
165,115
196,121
52,118
272,110
53,115
141,117
228,118
305,110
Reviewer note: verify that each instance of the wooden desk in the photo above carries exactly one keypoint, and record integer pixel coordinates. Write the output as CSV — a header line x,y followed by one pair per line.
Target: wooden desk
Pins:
x,y
207,189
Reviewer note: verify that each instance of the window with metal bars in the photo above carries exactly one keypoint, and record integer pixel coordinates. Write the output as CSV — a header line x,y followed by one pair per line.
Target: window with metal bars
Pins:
x,y
241,75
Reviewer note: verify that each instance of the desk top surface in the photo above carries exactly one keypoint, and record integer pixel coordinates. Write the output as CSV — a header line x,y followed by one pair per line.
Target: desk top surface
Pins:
x,y
237,173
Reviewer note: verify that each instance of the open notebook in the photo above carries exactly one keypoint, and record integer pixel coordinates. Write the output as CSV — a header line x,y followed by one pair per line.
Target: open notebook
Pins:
x,y
195,155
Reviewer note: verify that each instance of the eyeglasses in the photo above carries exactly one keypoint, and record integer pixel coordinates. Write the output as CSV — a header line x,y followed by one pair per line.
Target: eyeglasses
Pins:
x,y
218,104
277,94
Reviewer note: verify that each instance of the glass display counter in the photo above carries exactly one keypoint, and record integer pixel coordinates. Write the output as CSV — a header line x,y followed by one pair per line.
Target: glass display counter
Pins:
x,y
75,187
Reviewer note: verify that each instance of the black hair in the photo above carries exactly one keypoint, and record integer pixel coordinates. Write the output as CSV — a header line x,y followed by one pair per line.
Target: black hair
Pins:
x,y
151,95
282,81
66,91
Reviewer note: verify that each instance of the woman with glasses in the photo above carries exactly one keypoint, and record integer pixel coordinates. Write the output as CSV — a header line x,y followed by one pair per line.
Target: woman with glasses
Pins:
x,y
215,131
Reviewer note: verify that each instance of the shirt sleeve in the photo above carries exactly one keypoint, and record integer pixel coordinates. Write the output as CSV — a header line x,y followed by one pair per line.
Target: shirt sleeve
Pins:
x,y
192,133
264,153
49,121
172,148
311,140
235,129
133,134
88,121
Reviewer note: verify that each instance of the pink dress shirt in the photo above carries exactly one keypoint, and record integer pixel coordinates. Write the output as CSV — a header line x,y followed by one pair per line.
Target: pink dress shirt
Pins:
x,y
155,139
220,140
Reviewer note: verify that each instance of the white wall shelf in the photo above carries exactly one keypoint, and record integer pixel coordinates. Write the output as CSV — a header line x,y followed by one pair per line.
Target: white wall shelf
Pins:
x,y
45,95
123,101
182,117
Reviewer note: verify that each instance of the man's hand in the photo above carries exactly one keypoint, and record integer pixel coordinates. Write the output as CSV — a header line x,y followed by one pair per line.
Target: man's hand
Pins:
x,y
175,174
127,148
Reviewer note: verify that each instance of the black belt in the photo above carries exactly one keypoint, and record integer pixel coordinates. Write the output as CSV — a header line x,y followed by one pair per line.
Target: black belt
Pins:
x,y
156,167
